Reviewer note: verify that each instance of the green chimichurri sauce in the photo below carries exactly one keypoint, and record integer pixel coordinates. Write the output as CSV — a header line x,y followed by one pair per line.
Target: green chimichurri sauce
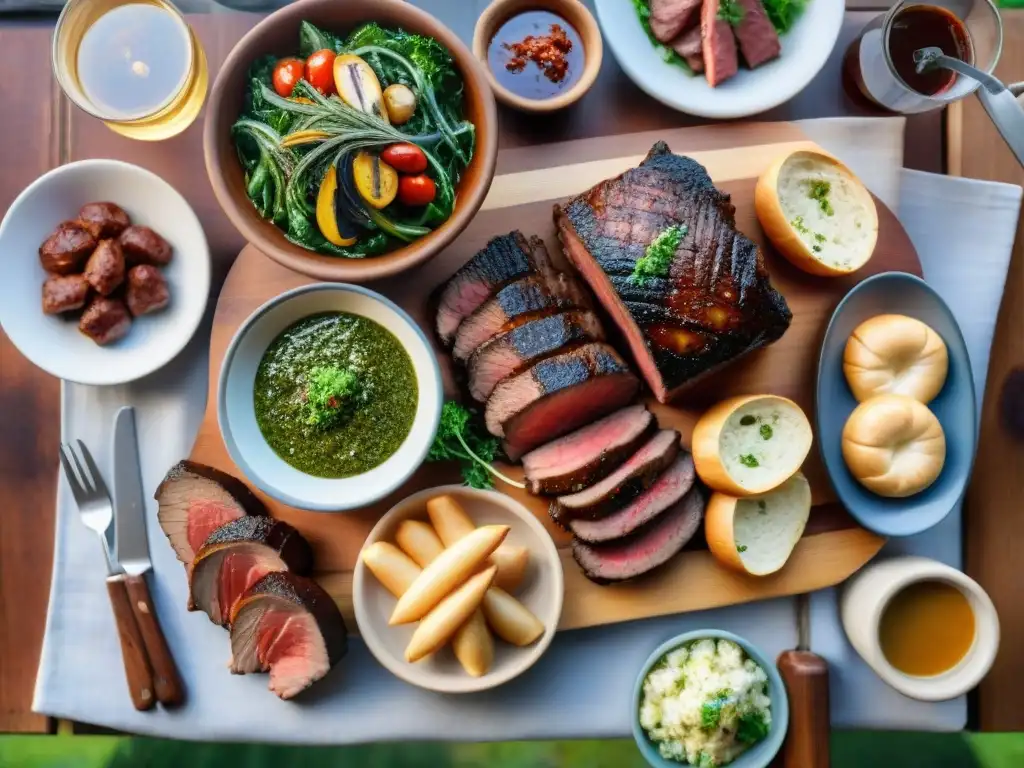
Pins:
x,y
385,405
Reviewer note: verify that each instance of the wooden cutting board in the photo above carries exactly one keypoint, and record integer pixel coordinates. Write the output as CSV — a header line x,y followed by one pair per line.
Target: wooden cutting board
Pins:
x,y
527,183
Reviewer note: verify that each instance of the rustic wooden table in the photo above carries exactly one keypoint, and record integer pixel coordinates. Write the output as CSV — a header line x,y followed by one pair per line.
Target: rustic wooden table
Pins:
x,y
45,131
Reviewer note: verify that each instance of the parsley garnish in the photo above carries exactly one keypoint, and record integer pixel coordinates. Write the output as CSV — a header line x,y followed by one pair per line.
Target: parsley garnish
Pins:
x,y
711,711
749,460
747,420
819,191
819,238
784,13
752,728
330,395
741,548
731,12
816,248
766,432
459,439
799,226
659,254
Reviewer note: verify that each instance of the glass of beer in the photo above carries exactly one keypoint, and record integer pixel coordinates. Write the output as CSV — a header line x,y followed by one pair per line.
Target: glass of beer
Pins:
x,y
880,66
134,64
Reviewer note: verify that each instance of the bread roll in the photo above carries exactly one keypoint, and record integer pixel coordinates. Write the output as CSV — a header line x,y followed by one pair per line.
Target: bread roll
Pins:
x,y
894,446
895,355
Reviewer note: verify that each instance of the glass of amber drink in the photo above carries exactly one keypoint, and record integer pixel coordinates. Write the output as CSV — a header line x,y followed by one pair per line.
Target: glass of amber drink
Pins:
x,y
134,64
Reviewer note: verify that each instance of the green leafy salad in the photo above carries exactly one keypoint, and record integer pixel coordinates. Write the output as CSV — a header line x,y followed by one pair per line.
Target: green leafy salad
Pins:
x,y
355,146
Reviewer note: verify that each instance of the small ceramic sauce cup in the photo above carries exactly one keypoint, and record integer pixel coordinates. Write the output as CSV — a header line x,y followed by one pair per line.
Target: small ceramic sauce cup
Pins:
x,y
864,600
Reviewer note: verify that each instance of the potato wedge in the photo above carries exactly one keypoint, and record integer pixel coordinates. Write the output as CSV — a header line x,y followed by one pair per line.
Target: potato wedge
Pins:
x,y
449,519
511,560
418,540
474,645
394,569
441,623
447,571
511,620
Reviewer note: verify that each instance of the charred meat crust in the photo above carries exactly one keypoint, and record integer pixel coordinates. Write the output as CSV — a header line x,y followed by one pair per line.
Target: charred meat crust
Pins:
x,y
274,534
248,500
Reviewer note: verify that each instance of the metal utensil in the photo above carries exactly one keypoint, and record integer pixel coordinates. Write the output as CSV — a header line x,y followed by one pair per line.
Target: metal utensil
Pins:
x,y
999,100
131,552
806,677
97,512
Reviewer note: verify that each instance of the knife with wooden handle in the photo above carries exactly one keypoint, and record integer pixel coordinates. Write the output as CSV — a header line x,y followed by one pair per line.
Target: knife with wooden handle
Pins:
x,y
806,677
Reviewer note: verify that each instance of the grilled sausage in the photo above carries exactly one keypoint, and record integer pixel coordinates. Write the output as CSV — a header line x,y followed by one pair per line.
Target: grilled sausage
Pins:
x,y
103,219
105,268
63,293
144,246
66,249
105,320
147,290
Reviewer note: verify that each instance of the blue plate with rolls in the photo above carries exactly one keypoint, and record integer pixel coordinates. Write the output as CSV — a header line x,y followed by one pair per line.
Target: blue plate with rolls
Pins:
x,y
897,293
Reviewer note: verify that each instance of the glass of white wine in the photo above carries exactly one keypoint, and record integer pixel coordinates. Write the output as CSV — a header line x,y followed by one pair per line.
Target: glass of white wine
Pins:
x,y
134,64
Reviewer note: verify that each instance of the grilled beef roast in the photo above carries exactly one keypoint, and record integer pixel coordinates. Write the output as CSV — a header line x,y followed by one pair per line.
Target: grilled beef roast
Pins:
x,y
535,339
289,626
667,489
557,395
717,301
651,546
719,45
582,458
544,293
621,486
239,554
690,45
504,259
195,500
669,18
757,38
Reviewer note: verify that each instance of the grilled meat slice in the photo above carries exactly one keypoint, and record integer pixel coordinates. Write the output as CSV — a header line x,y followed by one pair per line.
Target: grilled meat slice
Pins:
x,y
147,290
195,500
582,458
65,251
289,626
757,38
504,259
105,268
717,302
623,485
667,489
719,45
670,18
239,554
103,219
143,245
690,45
105,320
510,352
64,293
557,395
653,545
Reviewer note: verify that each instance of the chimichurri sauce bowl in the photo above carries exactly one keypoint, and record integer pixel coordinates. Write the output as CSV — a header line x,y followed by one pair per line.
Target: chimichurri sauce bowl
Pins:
x,y
329,397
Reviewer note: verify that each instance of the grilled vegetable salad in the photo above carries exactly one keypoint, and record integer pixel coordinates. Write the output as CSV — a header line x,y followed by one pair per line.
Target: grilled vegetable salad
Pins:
x,y
356,146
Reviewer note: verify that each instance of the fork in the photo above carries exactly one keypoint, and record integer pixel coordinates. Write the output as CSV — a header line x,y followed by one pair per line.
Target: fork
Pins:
x,y
97,512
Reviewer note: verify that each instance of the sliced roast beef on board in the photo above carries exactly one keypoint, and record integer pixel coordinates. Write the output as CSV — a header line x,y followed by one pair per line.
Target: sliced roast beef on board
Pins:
x,y
504,259
757,38
544,293
535,339
591,453
690,45
287,625
557,395
668,488
621,486
719,45
195,500
717,302
239,554
652,545
670,18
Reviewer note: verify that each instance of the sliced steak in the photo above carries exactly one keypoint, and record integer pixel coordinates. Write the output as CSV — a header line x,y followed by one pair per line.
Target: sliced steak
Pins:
x,y
582,458
651,546
623,485
757,38
557,395
534,296
719,45
510,352
195,500
669,487
690,45
504,259
289,626
716,304
669,18
239,554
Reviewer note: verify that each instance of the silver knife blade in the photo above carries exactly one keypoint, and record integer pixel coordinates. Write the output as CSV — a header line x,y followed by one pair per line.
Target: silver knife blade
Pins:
x,y
803,622
131,548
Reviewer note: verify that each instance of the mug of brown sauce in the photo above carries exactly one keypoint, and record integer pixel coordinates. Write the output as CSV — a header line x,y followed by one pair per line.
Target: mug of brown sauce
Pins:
x,y
880,67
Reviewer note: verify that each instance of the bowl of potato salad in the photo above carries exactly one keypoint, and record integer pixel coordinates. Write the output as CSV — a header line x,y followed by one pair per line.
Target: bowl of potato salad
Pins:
x,y
709,699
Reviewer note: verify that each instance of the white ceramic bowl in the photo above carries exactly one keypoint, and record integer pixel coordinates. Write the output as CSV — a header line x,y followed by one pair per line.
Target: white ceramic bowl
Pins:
x,y
805,49
862,603
54,343
236,413
541,591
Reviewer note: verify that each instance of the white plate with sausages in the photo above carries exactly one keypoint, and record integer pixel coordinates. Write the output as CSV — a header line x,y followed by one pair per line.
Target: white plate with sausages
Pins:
x,y
66,308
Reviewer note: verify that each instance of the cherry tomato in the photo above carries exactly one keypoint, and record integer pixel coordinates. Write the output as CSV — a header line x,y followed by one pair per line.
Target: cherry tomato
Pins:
x,y
405,158
320,71
416,190
287,72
